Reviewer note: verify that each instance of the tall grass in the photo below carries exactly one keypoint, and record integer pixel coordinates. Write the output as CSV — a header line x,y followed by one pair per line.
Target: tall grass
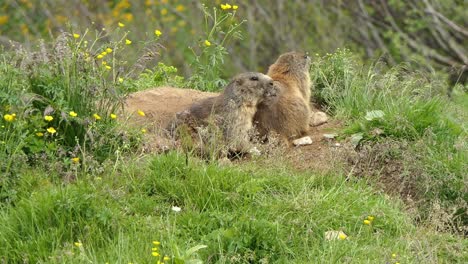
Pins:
x,y
233,214
405,106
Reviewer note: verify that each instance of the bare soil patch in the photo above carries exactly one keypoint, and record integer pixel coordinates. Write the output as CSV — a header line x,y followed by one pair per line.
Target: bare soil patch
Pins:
x,y
161,104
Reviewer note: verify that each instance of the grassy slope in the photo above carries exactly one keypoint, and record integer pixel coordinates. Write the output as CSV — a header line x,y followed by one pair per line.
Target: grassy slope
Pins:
x,y
243,214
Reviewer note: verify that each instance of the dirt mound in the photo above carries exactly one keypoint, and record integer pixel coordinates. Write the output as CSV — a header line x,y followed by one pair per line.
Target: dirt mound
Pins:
x,y
161,104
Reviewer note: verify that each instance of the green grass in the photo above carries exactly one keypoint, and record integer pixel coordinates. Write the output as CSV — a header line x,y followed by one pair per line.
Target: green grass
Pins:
x,y
71,197
242,214
397,105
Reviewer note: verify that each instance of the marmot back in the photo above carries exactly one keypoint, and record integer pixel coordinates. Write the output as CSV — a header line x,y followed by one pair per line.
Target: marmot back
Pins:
x,y
236,107
289,114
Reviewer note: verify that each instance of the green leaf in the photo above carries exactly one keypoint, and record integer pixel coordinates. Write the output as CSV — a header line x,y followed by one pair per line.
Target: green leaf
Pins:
x,y
376,114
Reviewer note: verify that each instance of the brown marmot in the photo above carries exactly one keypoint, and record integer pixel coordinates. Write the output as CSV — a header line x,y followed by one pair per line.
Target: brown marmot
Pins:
x,y
288,113
234,108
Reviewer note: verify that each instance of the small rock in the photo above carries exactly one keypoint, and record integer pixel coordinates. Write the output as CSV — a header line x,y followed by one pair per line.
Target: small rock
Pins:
x,y
255,152
329,136
377,132
337,145
302,141
318,118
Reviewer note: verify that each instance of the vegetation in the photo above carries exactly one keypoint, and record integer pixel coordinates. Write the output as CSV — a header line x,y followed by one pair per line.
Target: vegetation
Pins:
x,y
75,186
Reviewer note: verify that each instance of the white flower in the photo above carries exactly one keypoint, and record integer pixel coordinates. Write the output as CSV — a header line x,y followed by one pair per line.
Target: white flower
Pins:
x,y
176,209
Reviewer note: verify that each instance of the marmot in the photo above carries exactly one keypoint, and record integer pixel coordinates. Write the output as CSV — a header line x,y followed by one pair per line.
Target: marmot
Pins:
x,y
235,107
288,113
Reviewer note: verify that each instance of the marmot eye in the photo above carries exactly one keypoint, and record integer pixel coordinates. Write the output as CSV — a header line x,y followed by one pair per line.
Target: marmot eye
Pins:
x,y
254,78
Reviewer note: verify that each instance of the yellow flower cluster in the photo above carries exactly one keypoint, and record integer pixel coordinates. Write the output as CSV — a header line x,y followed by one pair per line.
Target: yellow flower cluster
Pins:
x,y
9,118
228,6
207,43
155,253
104,53
368,220
4,19
157,32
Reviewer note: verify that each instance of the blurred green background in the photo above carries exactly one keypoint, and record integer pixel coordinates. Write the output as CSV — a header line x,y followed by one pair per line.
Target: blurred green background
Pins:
x,y
427,34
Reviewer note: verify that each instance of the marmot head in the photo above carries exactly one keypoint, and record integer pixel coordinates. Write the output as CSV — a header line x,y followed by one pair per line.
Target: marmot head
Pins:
x,y
250,87
291,62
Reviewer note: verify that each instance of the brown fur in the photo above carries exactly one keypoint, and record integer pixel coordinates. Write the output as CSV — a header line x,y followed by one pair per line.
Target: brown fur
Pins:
x,y
288,114
235,107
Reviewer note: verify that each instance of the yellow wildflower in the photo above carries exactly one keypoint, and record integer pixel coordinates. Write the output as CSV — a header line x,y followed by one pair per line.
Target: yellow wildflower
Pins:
x,y
393,255
156,254
226,6
370,218
157,32
103,53
342,236
128,17
121,24
113,116
143,130
121,80
235,7
156,243
73,114
154,249
180,8
108,50
128,42
104,63
51,130
4,19
96,116
76,35
166,258
108,67
9,118
207,43
367,222
39,134
100,56
78,244
48,118
141,113
164,12
75,159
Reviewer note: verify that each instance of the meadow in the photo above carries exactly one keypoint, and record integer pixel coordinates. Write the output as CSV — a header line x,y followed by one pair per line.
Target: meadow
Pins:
x,y
77,186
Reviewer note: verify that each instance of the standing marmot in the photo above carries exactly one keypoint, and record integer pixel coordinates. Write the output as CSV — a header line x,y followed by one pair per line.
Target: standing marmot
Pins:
x,y
235,107
288,114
